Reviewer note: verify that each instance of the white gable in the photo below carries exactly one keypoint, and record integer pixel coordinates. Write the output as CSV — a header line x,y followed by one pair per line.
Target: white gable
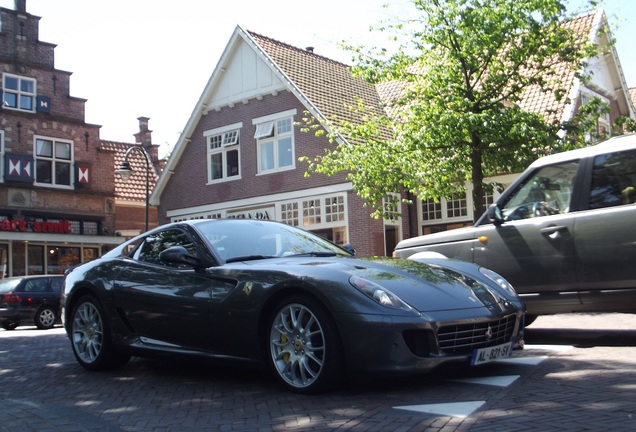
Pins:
x,y
244,77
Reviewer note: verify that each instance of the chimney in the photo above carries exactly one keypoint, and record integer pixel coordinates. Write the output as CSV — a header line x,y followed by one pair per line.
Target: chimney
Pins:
x,y
20,5
310,49
144,137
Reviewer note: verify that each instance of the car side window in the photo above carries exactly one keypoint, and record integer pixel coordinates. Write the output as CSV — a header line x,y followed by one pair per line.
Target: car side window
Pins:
x,y
548,191
56,285
613,180
156,243
36,285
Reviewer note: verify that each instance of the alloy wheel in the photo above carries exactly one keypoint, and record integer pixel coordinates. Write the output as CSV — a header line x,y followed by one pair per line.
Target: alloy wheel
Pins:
x,y
87,331
297,345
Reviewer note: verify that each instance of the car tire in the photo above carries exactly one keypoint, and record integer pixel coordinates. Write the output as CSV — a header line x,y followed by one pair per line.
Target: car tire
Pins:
x,y
9,325
45,318
304,349
91,337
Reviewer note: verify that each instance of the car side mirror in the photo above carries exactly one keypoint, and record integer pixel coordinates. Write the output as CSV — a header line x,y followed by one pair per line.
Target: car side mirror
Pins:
x,y
495,215
349,248
179,255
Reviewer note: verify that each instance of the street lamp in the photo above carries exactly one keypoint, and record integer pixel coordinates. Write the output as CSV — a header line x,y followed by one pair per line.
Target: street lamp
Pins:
x,y
126,171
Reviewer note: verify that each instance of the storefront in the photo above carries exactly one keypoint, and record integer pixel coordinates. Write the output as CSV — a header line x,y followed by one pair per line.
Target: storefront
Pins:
x,y
49,247
322,211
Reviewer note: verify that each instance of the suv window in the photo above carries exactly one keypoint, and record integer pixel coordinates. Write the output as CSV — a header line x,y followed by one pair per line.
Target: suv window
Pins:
x,y
613,180
547,192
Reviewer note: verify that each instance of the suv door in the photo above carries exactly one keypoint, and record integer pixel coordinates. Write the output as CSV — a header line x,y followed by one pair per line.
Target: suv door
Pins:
x,y
605,237
534,246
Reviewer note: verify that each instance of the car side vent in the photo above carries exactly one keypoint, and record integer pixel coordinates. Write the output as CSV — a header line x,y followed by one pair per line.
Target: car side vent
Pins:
x,y
127,323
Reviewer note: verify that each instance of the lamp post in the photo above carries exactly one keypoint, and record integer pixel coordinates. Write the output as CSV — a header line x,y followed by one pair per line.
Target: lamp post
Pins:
x,y
126,171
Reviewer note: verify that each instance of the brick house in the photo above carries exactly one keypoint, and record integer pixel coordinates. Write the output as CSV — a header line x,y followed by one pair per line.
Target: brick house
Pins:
x,y
59,197
238,154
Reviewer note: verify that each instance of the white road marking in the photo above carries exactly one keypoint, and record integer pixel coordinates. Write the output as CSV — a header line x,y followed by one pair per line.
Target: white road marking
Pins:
x,y
498,381
454,409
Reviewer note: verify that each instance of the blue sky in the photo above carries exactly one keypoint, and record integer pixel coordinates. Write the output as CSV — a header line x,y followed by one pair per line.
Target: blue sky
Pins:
x,y
152,58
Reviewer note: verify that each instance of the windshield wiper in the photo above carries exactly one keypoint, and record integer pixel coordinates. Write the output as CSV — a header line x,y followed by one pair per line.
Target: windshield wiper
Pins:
x,y
313,254
247,258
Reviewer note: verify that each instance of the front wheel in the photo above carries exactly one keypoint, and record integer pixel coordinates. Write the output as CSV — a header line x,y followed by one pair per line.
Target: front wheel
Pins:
x,y
45,318
304,347
91,339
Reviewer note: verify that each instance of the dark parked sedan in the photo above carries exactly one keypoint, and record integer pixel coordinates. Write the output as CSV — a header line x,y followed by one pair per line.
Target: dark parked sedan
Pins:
x,y
30,300
269,294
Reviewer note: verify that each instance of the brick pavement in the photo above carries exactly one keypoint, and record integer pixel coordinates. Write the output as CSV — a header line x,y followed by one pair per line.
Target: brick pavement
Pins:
x,y
591,386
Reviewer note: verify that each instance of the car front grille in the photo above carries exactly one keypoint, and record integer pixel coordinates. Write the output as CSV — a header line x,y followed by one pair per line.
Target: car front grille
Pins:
x,y
461,339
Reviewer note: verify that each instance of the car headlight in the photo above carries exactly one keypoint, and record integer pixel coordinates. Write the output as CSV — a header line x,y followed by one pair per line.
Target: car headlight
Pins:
x,y
378,293
498,280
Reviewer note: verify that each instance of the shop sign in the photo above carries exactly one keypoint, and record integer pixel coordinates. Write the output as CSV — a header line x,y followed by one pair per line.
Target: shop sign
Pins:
x,y
266,213
61,227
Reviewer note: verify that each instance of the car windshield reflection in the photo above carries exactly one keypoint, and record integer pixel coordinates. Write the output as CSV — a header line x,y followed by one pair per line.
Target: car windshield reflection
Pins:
x,y
257,240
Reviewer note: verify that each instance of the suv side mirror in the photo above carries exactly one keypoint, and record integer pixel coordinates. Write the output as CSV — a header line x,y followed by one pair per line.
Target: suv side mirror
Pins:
x,y
495,215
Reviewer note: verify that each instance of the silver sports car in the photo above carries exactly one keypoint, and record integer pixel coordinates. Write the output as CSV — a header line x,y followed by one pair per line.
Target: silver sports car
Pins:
x,y
275,296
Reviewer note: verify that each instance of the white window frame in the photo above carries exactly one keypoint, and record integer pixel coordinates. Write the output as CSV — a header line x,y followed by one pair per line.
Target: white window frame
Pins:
x,y
229,140
54,160
445,208
603,120
312,212
268,133
19,93
392,209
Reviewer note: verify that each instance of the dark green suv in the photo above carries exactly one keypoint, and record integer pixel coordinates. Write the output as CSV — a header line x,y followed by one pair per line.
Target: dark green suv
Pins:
x,y
30,300
563,233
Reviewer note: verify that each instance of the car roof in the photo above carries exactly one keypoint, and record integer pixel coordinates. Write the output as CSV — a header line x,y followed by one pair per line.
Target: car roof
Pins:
x,y
32,276
623,142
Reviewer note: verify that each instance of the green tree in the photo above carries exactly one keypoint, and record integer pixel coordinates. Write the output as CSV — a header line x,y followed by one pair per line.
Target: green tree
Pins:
x,y
461,68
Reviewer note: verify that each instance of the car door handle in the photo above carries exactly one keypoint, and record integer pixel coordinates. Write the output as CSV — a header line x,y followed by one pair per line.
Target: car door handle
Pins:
x,y
553,230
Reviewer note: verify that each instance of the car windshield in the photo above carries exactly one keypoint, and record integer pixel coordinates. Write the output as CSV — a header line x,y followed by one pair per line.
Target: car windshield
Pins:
x,y
239,239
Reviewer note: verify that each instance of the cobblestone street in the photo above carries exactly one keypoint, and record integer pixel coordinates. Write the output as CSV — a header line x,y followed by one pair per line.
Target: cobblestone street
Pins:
x,y
578,372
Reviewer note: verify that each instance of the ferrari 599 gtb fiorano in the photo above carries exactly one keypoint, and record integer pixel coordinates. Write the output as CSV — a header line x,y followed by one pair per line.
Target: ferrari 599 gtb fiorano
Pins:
x,y
268,294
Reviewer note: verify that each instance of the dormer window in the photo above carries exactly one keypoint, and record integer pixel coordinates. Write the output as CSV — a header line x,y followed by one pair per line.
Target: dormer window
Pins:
x,y
18,92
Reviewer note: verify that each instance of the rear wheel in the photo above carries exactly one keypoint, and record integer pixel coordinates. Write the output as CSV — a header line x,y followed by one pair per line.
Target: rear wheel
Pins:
x,y
91,337
9,325
304,346
45,318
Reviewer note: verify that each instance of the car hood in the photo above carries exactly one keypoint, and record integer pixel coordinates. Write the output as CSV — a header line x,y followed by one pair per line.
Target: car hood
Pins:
x,y
425,287
450,236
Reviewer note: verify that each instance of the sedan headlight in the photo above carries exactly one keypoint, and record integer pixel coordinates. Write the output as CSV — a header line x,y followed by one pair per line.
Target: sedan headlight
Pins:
x,y
498,280
378,293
